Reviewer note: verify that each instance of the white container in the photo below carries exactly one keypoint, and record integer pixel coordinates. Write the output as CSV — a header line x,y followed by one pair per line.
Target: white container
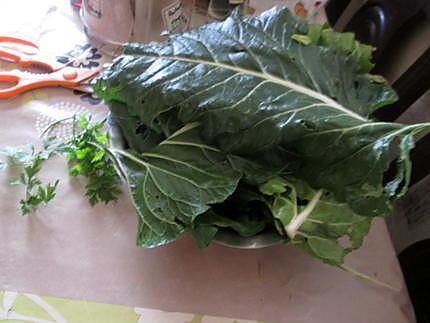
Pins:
x,y
111,23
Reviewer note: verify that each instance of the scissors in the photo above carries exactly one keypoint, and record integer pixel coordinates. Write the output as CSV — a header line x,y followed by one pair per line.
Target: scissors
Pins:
x,y
59,74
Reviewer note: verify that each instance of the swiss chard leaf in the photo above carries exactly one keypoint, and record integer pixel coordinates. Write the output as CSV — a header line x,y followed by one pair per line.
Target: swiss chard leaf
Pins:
x,y
245,64
207,226
138,137
337,223
244,212
255,88
331,231
253,172
175,182
357,157
323,35
282,105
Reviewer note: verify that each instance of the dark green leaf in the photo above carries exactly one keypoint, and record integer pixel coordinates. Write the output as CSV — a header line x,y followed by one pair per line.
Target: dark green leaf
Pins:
x,y
326,249
176,181
259,89
148,238
138,137
353,162
203,234
288,102
253,172
240,223
273,186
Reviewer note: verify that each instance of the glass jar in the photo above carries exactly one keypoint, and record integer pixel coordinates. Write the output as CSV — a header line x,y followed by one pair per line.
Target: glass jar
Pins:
x,y
111,23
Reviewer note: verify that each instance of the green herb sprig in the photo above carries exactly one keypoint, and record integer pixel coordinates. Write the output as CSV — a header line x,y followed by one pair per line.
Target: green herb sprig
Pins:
x,y
87,157
35,192
86,152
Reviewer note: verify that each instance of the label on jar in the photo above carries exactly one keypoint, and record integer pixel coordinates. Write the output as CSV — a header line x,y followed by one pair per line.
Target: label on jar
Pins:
x,y
174,17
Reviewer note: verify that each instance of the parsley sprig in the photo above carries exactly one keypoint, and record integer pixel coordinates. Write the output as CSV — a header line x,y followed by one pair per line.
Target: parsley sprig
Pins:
x,y
35,192
87,155
31,163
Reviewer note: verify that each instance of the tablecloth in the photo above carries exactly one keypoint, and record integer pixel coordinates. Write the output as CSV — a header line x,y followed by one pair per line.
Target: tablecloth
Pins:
x,y
85,256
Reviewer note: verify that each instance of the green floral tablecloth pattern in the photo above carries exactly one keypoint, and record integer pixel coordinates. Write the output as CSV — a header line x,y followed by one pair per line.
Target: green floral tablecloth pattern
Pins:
x,y
26,307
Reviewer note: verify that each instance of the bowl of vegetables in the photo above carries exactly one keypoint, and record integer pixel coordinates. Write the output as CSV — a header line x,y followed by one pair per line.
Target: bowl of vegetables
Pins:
x,y
255,131
250,132
238,231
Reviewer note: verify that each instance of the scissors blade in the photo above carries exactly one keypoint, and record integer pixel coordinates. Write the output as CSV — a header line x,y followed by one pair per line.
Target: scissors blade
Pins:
x,y
25,59
7,39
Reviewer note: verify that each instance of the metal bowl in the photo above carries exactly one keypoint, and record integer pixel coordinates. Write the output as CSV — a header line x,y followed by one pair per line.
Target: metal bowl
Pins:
x,y
262,240
223,237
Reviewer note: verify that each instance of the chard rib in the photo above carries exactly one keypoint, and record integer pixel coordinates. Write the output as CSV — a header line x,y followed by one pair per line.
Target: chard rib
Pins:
x,y
295,224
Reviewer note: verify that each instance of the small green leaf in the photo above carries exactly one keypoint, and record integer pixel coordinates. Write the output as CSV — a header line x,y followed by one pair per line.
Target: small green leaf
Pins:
x,y
34,182
25,209
70,155
374,78
34,200
284,209
75,170
203,234
34,168
274,186
303,39
41,193
99,165
83,122
346,42
99,154
50,191
102,139
314,32
82,153
327,250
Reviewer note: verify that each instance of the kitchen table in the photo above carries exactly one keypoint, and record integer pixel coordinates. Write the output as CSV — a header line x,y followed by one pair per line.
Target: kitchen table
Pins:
x,y
84,260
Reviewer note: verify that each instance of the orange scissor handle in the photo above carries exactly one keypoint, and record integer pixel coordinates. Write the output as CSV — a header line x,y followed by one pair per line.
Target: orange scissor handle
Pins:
x,y
69,77
26,60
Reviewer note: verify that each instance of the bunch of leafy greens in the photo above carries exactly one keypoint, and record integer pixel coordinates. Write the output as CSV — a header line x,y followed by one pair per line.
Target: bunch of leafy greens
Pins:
x,y
253,125
86,152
